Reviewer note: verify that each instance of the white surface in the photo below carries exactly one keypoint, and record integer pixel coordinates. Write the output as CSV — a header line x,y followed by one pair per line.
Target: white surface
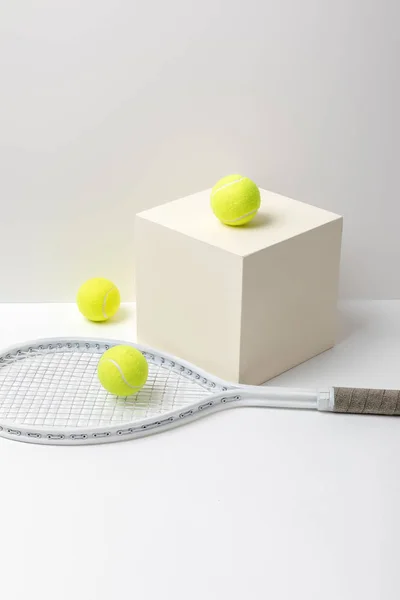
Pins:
x,y
108,108
267,292
250,503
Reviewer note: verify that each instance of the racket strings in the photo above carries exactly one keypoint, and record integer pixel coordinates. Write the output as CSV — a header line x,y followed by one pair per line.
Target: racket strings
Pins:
x,y
60,388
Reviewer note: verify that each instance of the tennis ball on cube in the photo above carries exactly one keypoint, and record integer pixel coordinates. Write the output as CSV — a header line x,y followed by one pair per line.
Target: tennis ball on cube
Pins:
x,y
235,200
122,370
98,299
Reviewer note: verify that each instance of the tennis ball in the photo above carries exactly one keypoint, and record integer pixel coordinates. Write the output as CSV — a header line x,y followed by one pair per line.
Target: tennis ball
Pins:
x,y
98,299
235,200
122,370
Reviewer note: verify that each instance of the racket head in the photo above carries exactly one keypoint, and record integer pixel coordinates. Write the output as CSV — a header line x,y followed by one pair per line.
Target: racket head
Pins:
x,y
50,393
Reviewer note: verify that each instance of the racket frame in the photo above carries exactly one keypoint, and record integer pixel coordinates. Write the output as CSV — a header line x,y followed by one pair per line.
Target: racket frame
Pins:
x,y
223,395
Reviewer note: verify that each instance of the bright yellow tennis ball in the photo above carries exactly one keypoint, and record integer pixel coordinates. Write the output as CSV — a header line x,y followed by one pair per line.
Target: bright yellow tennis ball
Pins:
x,y
123,370
98,299
235,200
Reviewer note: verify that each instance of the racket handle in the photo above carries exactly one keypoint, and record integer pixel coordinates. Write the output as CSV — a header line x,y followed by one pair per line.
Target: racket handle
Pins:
x,y
369,402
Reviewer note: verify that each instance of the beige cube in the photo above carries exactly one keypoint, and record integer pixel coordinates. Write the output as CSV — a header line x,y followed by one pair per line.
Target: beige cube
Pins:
x,y
244,303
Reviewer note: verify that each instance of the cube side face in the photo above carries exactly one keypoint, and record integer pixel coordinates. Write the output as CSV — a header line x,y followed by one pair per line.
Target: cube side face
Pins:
x,y
188,297
289,300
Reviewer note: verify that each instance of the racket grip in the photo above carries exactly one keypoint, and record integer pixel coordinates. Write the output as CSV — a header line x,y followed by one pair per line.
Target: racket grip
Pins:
x,y
368,402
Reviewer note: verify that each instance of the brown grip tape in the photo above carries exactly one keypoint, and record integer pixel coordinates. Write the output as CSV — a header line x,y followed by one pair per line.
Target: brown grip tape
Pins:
x,y
369,402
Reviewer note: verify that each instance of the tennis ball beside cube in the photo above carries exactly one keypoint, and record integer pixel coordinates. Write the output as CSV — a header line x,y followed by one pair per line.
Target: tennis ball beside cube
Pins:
x,y
235,200
98,299
123,370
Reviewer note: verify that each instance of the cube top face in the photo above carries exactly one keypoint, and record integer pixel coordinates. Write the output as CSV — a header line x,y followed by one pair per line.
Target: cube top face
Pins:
x,y
279,219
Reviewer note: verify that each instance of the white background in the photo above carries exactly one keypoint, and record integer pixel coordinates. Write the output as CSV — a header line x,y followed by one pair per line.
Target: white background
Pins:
x,y
108,107
111,106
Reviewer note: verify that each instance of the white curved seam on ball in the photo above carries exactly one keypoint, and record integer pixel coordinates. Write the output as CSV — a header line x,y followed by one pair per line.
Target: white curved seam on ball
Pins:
x,y
227,185
103,308
252,212
133,387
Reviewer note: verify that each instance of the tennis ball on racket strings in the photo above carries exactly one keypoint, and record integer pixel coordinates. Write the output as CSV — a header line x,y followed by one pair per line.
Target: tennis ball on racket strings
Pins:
x,y
98,299
235,200
122,370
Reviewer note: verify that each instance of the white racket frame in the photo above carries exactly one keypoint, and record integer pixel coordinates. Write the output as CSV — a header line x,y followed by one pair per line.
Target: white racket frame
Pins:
x,y
223,395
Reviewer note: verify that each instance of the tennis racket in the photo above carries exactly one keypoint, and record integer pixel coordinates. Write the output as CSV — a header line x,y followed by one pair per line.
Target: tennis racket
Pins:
x,y
50,394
